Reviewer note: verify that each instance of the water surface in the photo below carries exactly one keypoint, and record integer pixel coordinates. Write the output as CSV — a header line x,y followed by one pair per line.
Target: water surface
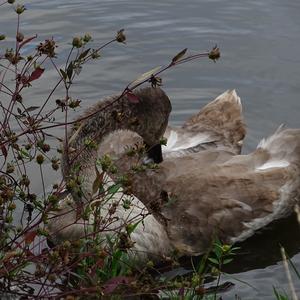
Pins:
x,y
260,44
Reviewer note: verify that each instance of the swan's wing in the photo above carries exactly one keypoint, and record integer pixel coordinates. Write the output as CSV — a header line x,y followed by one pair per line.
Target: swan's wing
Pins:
x,y
230,200
182,142
221,120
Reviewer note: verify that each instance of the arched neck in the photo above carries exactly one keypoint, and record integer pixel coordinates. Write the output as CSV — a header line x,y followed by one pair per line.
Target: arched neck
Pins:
x,y
148,118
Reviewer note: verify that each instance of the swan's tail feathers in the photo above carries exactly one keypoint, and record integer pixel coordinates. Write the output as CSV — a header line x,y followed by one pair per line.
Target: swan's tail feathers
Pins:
x,y
223,118
283,146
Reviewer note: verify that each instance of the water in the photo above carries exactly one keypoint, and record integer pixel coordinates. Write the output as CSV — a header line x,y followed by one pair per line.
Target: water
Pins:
x,y
260,44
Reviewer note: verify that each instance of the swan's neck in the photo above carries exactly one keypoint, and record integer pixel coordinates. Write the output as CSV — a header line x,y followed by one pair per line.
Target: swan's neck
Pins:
x,y
148,118
80,149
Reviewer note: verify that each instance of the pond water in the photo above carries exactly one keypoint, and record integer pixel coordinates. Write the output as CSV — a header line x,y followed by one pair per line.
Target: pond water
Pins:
x,y
260,48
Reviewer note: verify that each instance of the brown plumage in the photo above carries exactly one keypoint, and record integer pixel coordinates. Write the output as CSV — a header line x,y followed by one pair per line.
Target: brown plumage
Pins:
x,y
218,125
196,196
216,193
148,118
223,118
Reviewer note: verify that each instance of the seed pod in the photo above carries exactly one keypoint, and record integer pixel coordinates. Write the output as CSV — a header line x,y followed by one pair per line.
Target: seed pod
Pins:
x,y
77,42
120,37
20,37
45,147
19,9
39,159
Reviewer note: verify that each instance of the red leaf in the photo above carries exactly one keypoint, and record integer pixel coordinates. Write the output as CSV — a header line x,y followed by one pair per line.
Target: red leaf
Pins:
x,y
29,237
37,73
4,151
132,97
113,283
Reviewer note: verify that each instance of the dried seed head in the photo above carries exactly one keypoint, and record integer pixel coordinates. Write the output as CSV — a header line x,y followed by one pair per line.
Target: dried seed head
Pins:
x,y
10,168
47,48
120,37
20,37
11,206
39,159
214,54
77,42
19,9
45,147
87,38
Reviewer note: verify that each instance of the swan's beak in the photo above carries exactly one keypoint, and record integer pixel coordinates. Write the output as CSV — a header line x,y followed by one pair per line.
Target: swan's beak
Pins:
x,y
154,154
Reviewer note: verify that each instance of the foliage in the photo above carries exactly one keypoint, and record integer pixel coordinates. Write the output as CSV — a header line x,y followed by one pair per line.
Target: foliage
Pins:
x,y
91,265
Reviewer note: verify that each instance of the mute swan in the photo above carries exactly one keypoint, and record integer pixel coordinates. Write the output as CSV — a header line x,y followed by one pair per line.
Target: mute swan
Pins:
x,y
213,192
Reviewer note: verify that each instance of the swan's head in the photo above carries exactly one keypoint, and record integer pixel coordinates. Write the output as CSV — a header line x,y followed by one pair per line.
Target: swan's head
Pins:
x,y
149,115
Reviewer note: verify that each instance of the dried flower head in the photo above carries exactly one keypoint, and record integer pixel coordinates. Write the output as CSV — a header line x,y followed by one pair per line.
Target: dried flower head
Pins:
x,y
47,48
155,81
19,9
120,37
214,54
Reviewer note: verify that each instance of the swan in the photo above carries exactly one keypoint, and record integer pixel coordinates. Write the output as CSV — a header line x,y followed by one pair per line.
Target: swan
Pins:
x,y
217,125
192,198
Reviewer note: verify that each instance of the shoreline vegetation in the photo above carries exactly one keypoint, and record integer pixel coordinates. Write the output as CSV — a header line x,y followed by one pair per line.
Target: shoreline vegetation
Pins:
x,y
84,268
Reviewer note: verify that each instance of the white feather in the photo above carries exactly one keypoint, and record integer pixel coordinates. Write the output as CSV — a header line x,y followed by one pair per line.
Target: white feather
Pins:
x,y
274,164
185,141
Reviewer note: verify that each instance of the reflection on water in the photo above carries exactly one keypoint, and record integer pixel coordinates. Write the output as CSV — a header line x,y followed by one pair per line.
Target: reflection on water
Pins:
x,y
258,263
260,45
257,266
253,251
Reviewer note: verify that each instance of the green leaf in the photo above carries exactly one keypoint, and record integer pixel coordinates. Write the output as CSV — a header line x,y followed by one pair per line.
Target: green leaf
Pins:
x,y
114,189
32,108
63,73
146,75
70,70
227,261
213,260
218,251
98,181
279,296
115,265
24,153
235,248
131,227
84,54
